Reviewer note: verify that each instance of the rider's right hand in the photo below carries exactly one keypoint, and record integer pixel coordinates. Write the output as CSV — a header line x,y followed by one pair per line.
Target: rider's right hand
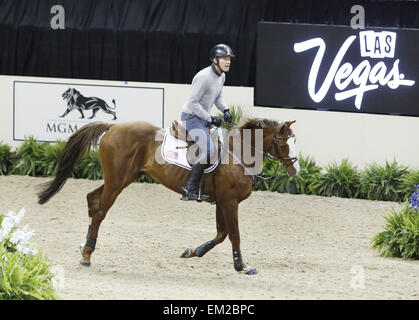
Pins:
x,y
216,121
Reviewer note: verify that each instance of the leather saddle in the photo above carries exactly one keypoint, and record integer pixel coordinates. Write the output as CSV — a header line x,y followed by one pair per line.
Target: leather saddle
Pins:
x,y
178,131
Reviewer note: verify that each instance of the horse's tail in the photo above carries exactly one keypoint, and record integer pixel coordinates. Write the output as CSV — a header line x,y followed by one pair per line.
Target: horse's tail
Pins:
x,y
80,142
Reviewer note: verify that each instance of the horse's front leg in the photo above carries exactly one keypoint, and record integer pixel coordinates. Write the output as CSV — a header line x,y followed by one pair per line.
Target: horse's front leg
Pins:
x,y
231,216
207,246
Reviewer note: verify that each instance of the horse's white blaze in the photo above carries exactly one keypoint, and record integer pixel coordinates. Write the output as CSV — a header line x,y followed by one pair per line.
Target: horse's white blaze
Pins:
x,y
293,153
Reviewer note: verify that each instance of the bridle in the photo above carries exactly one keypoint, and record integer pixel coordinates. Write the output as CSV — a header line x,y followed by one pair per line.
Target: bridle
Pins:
x,y
274,142
278,159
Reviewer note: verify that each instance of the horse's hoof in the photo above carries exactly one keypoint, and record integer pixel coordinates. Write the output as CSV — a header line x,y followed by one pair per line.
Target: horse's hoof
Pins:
x,y
85,264
250,271
187,253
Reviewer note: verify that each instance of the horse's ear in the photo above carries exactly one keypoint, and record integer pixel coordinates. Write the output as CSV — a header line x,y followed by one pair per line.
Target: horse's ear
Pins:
x,y
289,123
282,127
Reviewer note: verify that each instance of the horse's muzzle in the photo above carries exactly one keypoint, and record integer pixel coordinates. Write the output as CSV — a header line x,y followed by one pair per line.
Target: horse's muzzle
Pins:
x,y
293,170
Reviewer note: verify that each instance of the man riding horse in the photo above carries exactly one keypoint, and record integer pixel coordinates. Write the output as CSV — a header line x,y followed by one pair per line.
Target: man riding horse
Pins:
x,y
206,90
127,151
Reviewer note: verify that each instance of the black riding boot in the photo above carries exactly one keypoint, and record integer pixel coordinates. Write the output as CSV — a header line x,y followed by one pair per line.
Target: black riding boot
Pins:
x,y
191,189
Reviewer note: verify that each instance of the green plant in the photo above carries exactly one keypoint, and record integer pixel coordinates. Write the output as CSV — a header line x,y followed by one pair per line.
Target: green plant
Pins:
x,y
29,158
383,183
338,180
400,237
408,182
391,182
237,115
41,159
146,179
89,167
308,172
6,159
51,155
24,271
25,277
279,182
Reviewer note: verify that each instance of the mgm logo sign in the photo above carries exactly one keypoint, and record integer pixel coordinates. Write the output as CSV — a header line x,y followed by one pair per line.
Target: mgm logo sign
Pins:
x,y
51,111
76,101
62,127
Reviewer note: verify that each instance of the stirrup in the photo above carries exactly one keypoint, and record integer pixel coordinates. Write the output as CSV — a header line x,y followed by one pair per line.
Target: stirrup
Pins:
x,y
190,190
189,195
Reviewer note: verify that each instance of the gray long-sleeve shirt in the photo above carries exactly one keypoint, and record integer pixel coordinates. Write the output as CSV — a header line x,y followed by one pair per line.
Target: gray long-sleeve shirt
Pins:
x,y
206,90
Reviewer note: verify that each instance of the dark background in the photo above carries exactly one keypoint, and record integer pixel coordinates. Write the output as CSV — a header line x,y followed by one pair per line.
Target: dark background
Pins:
x,y
161,40
282,74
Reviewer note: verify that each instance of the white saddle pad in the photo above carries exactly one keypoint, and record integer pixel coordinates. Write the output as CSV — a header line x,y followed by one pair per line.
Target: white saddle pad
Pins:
x,y
174,151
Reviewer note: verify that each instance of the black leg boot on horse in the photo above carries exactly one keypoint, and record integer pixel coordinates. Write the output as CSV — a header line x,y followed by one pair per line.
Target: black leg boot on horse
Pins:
x,y
191,190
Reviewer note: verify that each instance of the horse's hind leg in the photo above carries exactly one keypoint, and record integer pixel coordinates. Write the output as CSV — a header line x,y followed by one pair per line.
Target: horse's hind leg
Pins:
x,y
93,204
99,202
117,177
207,246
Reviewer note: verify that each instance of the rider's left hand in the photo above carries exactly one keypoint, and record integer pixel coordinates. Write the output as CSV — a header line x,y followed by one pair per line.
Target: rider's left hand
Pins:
x,y
227,115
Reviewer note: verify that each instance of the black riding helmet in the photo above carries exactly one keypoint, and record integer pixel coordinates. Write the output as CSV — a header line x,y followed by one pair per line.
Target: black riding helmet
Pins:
x,y
221,50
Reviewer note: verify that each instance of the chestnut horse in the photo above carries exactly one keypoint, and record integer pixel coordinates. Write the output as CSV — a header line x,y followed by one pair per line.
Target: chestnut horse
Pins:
x,y
128,150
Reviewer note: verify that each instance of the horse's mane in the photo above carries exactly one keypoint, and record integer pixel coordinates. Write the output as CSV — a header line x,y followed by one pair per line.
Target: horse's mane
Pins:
x,y
256,123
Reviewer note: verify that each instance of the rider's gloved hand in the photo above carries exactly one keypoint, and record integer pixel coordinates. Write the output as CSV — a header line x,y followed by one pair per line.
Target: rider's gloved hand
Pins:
x,y
227,115
216,121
